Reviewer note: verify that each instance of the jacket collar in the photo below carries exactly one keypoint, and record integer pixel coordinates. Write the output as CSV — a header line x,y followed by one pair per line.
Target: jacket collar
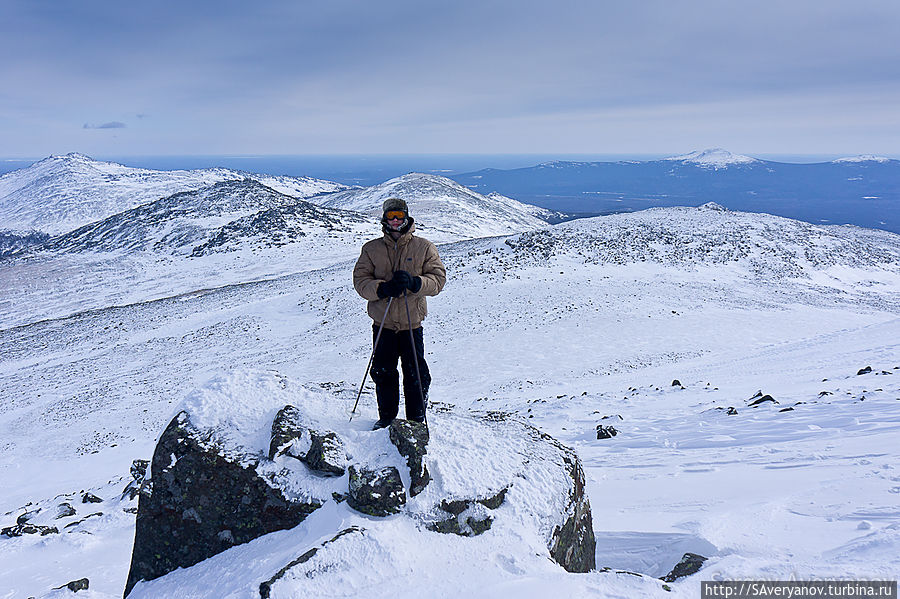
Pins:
x,y
403,239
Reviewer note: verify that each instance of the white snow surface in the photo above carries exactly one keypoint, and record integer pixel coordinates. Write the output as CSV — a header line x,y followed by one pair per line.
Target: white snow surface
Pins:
x,y
61,193
566,328
713,158
443,209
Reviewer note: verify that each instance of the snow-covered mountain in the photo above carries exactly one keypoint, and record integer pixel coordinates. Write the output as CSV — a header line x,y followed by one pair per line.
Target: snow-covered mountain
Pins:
x,y
217,216
715,158
242,230
771,248
443,209
61,193
774,455
863,158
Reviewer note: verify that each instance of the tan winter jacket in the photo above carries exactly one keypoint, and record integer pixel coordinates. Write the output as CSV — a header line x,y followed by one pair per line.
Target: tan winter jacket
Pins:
x,y
377,263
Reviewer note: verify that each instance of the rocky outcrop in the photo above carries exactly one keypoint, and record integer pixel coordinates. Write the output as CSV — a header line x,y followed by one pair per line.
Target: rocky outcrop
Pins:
x,y
376,492
82,584
202,499
239,461
572,544
286,430
28,529
326,454
322,452
606,432
760,399
138,472
411,440
690,564
469,517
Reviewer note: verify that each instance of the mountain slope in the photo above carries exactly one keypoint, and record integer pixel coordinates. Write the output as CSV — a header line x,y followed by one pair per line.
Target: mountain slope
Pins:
x,y
568,328
174,224
769,247
580,325
443,209
61,193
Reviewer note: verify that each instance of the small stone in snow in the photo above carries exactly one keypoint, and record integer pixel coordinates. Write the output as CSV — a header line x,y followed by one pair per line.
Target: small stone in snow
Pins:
x,y
606,432
762,399
81,584
690,564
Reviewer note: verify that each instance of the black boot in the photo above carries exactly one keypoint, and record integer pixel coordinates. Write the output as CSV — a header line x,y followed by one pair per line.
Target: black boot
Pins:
x,y
382,423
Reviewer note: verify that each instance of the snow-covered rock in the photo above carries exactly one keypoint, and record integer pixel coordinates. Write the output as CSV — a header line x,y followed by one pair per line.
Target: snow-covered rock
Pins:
x,y
61,193
715,158
443,209
204,496
213,486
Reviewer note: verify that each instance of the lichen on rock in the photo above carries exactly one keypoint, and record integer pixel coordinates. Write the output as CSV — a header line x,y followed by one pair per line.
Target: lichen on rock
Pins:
x,y
411,440
376,492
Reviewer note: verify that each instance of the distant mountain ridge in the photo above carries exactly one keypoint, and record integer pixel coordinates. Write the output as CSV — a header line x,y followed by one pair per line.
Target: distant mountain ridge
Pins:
x,y
61,193
862,190
195,222
714,158
246,213
443,209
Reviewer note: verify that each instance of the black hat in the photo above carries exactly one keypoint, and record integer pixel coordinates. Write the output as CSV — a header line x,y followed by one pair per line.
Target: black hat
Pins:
x,y
395,204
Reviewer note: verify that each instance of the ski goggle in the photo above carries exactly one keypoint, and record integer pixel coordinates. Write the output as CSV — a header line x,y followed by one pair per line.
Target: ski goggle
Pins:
x,y
394,214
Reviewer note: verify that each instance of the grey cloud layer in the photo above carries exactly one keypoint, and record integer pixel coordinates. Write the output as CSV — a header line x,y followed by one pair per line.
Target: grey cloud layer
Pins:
x,y
226,74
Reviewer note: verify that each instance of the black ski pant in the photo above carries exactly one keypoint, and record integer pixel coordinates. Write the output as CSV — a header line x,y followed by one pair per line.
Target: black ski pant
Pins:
x,y
392,346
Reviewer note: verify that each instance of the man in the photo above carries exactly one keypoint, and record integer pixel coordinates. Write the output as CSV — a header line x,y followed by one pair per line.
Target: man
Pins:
x,y
395,273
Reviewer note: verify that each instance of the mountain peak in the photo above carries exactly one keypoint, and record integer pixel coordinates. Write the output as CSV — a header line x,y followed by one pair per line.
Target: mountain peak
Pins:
x,y
443,209
713,157
71,156
61,193
863,158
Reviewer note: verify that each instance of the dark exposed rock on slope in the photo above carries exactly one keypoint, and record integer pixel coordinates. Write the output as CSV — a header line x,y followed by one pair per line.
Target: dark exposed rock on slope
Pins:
x,y
202,500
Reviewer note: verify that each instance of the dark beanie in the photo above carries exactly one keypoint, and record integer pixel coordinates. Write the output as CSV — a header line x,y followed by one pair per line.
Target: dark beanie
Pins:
x,y
394,204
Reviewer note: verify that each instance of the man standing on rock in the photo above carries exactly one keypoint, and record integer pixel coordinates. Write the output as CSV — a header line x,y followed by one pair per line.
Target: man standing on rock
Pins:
x,y
399,265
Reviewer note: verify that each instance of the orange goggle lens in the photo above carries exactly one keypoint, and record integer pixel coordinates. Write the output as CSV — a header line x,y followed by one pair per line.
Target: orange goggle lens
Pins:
x,y
394,214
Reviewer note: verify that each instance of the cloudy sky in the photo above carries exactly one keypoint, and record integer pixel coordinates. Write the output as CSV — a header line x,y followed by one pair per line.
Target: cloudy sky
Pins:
x,y
507,76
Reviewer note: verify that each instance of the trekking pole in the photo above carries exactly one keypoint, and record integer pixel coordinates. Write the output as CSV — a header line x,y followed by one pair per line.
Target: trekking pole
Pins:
x,y
371,357
412,341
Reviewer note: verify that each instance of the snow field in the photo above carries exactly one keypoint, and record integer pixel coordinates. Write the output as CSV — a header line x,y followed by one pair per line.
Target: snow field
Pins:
x,y
558,341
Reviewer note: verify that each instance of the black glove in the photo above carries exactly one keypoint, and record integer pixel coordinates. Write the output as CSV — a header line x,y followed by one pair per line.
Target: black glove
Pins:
x,y
407,281
390,289
402,278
